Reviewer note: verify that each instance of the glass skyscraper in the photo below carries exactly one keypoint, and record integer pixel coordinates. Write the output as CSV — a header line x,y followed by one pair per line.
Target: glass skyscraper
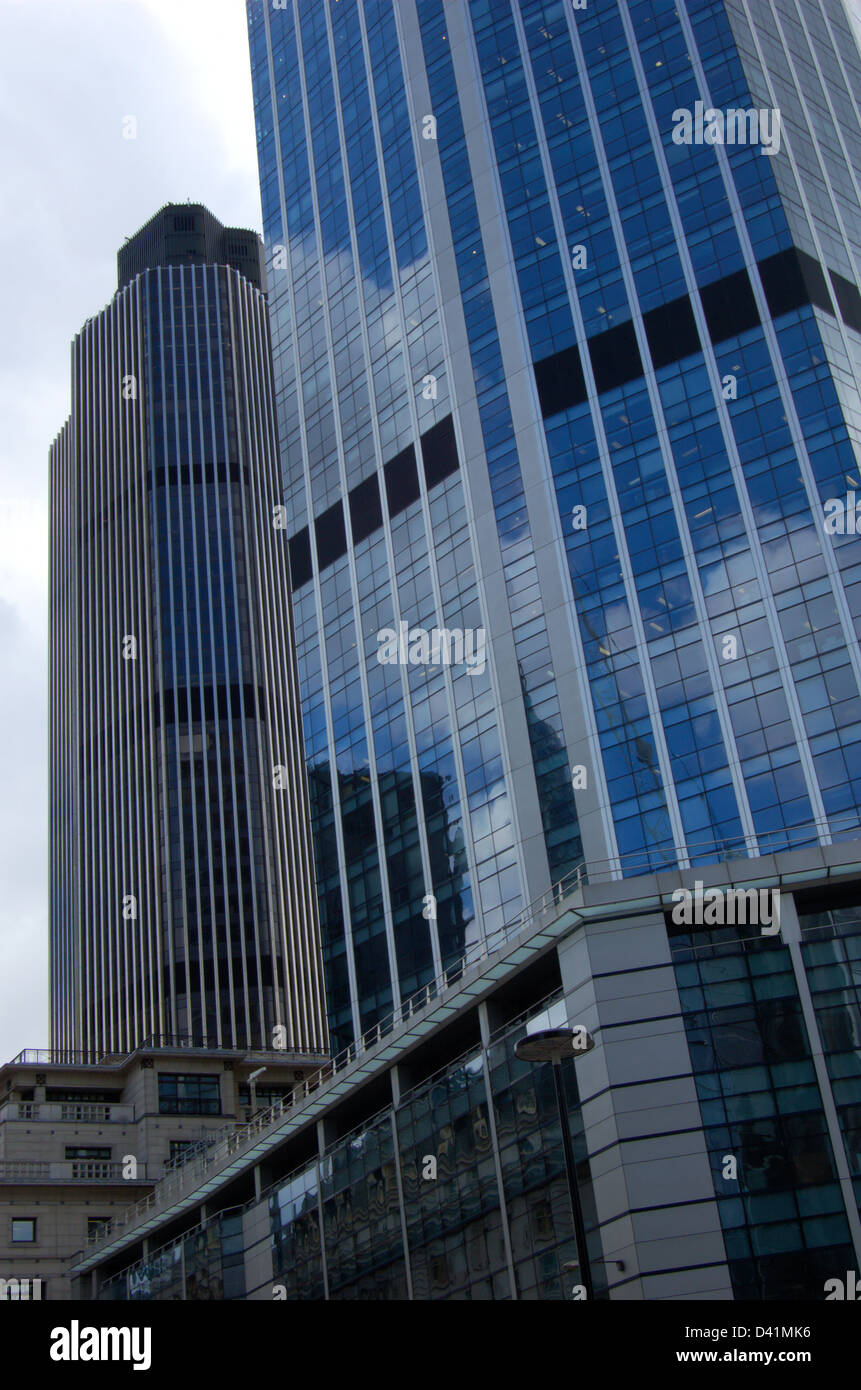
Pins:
x,y
182,899
565,316
566,328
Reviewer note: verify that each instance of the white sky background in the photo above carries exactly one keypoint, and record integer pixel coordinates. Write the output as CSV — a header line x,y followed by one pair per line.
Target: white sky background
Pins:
x,y
71,189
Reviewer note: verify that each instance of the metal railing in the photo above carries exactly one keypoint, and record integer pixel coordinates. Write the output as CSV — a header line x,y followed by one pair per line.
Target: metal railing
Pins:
x,y
167,1041
68,1112
68,1170
44,1056
48,1056
193,1151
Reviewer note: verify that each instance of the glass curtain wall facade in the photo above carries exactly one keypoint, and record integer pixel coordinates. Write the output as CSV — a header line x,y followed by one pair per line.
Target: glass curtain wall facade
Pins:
x,y
498,1204
205,1266
784,1225
549,367
715,1125
365,1221
181,883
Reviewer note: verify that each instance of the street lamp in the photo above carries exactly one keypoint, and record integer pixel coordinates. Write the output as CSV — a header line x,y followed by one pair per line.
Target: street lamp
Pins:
x,y
554,1045
252,1087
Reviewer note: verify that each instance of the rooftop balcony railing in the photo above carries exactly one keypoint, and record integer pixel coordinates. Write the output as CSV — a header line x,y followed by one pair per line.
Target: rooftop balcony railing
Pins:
x,y
67,1112
65,1057
14,1170
169,1042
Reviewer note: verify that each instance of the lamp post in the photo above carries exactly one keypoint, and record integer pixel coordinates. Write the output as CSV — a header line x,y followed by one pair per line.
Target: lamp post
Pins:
x,y
554,1045
252,1087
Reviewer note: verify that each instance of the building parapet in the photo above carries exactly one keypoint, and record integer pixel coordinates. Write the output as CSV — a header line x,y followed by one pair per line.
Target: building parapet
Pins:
x,y
165,1045
84,1170
67,1112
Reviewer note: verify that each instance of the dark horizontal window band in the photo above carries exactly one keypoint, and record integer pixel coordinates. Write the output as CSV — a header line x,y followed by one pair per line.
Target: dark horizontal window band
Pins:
x,y
366,509
671,331
401,478
299,547
184,474
729,306
560,381
331,535
790,279
199,703
207,702
615,357
402,481
848,300
439,452
213,979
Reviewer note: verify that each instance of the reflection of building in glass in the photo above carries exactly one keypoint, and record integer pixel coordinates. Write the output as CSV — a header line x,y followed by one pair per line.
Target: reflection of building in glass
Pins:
x,y
418,922
429,1166
181,898
205,1266
749,1031
558,805
543,370
465,1236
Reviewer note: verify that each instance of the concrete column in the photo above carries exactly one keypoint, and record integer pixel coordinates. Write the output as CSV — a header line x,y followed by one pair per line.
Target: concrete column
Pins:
x,y
485,1023
402,1081
651,1177
327,1133
257,1245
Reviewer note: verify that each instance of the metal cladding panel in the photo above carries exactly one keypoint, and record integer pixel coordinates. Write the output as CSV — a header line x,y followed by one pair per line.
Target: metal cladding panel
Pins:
x,y
181,871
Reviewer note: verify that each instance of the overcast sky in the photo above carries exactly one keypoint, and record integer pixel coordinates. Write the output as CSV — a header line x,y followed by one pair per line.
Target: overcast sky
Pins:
x,y
71,189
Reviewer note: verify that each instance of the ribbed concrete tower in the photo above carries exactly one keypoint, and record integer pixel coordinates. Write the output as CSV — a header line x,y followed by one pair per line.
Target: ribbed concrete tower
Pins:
x,y
182,892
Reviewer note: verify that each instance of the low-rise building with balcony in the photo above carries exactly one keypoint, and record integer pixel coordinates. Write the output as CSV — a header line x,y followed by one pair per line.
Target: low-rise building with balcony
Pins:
x,y
82,1137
